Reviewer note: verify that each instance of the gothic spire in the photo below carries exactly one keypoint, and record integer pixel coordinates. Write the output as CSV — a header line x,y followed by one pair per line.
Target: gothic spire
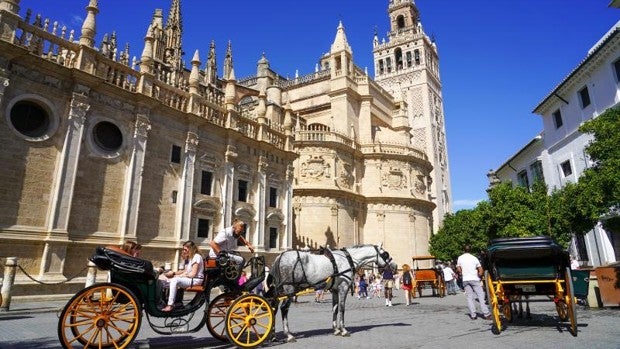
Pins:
x,y
340,42
211,69
174,32
229,73
89,26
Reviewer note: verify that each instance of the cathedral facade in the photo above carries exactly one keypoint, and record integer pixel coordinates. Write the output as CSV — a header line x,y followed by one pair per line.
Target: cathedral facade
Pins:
x,y
99,149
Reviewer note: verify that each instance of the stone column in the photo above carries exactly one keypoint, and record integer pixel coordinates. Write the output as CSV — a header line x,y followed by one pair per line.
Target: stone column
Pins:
x,y
133,178
287,240
52,260
7,283
186,186
229,184
259,237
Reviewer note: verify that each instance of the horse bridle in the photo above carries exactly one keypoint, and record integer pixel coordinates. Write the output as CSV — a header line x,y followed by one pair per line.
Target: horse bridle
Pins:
x,y
384,255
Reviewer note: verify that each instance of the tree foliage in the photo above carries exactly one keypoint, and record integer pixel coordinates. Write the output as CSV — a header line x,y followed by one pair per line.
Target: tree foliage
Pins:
x,y
521,212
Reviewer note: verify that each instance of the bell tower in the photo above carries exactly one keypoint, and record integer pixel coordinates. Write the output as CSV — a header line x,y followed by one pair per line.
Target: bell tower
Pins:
x,y
407,65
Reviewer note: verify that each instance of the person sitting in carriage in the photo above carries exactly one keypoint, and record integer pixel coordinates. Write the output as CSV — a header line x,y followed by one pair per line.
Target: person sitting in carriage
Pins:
x,y
226,240
192,273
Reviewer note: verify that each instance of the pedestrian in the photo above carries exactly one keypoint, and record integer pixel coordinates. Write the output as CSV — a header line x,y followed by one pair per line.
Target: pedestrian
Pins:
x,y
388,283
192,273
470,269
363,288
407,282
449,277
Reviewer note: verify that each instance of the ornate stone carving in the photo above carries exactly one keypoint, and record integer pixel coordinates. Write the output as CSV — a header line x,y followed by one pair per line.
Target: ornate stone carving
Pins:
x,y
191,143
345,176
143,126
209,162
394,178
419,185
244,171
315,167
79,108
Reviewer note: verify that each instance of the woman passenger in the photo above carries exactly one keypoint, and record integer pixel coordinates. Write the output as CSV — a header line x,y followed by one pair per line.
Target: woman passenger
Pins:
x,y
192,274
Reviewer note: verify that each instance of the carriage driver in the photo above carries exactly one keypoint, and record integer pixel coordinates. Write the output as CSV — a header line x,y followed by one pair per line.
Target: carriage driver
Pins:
x,y
226,240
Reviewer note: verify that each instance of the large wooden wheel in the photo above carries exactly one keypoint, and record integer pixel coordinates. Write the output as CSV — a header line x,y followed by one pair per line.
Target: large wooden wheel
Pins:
x,y
249,321
216,315
496,328
100,316
570,302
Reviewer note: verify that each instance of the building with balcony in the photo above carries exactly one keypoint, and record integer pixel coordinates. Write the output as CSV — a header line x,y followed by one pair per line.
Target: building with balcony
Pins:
x,y
557,155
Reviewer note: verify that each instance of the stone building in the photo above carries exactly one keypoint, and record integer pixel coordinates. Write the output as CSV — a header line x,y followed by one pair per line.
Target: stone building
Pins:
x,y
98,152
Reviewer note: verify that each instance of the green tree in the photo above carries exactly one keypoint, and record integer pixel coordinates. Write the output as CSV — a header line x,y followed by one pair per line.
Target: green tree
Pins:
x,y
598,191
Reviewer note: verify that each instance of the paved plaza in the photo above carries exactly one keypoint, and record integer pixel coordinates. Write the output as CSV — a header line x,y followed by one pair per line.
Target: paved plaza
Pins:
x,y
431,322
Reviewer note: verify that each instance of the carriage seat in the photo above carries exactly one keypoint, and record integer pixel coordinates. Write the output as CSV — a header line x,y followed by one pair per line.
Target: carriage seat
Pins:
x,y
115,259
210,264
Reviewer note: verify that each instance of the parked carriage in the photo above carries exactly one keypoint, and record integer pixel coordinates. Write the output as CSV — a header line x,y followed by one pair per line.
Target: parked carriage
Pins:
x,y
518,268
110,314
430,277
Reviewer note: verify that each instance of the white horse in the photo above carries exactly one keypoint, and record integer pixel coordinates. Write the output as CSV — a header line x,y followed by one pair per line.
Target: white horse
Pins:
x,y
294,271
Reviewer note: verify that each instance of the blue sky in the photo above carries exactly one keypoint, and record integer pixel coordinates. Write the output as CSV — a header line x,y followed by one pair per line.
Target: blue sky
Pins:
x,y
498,58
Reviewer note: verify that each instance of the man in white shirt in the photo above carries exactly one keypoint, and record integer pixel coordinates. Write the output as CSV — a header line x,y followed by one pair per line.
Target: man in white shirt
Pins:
x,y
471,270
226,240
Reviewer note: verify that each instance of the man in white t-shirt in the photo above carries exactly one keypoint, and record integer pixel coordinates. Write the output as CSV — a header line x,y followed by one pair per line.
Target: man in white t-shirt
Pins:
x,y
226,240
471,270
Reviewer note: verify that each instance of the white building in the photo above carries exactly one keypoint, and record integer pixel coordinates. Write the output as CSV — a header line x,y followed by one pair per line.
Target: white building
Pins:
x,y
557,154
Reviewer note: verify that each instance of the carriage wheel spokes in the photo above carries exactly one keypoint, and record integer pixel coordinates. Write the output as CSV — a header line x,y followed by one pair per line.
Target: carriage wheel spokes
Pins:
x,y
216,318
249,321
102,315
569,296
507,310
493,303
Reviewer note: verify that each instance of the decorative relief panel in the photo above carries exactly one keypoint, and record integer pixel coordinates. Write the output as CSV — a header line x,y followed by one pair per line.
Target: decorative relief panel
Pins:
x,y
209,162
244,172
315,167
394,178
345,175
419,186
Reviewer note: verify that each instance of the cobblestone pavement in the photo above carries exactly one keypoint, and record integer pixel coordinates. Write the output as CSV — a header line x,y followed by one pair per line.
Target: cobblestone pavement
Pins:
x,y
431,322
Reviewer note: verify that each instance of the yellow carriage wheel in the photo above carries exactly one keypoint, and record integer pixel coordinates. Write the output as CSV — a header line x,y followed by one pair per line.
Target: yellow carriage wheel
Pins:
x,y
216,318
570,302
249,321
100,316
562,310
493,303
507,311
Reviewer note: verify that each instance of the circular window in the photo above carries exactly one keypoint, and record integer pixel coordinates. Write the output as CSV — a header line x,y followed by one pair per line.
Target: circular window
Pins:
x,y
30,119
107,136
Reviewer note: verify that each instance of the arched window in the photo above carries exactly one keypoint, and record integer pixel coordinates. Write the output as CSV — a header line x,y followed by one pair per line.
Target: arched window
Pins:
x,y
400,22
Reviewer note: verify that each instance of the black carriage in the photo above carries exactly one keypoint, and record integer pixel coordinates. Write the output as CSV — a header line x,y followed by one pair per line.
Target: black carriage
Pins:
x,y
110,314
522,267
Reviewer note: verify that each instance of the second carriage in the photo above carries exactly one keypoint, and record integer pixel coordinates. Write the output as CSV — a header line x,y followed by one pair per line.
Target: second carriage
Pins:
x,y
110,314
428,276
520,268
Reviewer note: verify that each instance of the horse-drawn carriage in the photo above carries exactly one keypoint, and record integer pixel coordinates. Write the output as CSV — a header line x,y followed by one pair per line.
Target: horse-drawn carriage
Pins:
x,y
517,268
110,314
428,277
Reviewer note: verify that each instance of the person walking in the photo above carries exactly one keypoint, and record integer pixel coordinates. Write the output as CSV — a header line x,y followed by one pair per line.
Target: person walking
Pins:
x,y
388,284
449,277
469,267
407,282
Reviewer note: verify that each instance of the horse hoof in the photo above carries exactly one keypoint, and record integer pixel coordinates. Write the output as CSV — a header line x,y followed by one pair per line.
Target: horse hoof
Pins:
x,y
336,333
291,340
346,334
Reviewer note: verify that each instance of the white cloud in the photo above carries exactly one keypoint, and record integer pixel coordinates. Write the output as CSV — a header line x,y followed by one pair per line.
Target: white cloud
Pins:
x,y
465,204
